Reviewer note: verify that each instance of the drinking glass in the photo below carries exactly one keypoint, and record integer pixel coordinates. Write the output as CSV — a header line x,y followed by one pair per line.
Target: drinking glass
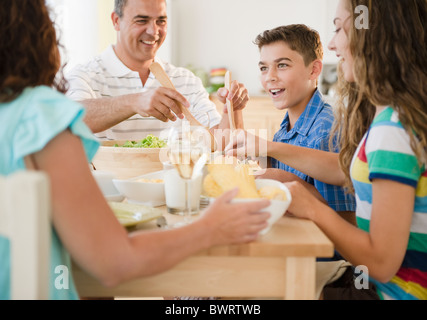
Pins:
x,y
188,151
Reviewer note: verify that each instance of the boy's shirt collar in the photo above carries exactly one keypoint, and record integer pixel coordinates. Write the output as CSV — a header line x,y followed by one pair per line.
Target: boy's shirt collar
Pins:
x,y
307,118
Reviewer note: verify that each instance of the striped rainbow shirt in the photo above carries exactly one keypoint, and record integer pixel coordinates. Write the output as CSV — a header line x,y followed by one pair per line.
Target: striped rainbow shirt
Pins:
x,y
385,153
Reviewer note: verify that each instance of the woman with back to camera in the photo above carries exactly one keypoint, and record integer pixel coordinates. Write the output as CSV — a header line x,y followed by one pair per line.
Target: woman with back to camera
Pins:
x,y
43,130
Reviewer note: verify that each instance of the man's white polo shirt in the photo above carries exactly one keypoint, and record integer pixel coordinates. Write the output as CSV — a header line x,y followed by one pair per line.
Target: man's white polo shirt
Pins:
x,y
106,76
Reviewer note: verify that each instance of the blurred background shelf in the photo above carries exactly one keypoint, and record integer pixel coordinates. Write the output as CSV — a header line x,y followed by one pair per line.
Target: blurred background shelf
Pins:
x,y
260,113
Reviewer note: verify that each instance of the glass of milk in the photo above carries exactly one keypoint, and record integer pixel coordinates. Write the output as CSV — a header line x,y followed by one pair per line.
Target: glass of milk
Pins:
x,y
175,191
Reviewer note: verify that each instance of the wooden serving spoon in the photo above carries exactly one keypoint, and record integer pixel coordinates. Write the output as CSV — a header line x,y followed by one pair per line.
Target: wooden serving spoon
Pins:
x,y
227,82
165,81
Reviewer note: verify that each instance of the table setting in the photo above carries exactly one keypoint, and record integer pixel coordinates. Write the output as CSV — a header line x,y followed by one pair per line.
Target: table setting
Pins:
x,y
166,182
280,263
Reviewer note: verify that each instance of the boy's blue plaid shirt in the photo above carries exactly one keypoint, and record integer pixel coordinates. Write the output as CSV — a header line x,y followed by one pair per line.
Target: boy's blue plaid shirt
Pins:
x,y
312,130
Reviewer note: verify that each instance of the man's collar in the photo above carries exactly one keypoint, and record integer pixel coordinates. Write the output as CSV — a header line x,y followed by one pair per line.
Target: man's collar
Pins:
x,y
115,66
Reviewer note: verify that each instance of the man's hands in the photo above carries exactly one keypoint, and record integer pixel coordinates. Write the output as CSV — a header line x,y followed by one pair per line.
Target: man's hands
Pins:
x,y
238,95
161,103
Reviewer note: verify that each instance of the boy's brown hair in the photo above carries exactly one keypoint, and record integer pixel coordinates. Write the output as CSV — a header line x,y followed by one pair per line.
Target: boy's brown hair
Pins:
x,y
298,37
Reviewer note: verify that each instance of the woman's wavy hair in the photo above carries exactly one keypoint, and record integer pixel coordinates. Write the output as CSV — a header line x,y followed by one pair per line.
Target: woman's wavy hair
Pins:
x,y
29,50
390,68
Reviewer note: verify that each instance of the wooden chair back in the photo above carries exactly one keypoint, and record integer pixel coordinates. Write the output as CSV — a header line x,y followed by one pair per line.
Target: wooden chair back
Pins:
x,y
25,220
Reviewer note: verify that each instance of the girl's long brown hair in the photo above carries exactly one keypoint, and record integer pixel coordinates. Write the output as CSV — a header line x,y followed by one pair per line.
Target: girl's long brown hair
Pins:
x,y
390,69
29,54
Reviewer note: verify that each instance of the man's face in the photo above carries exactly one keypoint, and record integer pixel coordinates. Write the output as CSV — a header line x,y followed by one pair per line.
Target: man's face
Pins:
x,y
284,75
141,30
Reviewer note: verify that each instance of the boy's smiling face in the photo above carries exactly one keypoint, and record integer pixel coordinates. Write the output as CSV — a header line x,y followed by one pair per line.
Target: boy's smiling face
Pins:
x,y
286,78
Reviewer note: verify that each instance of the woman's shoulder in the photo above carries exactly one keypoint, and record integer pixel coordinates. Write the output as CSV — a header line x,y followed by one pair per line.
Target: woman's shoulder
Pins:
x,y
44,97
45,113
43,93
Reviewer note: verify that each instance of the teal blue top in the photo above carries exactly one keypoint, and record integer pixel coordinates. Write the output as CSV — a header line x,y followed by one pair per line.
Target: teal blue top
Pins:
x,y
28,123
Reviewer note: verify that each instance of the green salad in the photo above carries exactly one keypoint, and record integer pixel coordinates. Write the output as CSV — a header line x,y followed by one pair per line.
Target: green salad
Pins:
x,y
150,141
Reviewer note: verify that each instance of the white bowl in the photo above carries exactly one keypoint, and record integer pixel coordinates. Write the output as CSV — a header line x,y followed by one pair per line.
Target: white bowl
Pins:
x,y
148,193
277,208
104,179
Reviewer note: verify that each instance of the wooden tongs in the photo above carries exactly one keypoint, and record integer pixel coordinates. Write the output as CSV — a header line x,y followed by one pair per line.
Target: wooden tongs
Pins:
x,y
230,108
164,80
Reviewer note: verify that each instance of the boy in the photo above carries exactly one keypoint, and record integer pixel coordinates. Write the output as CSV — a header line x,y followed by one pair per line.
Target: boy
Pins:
x,y
290,64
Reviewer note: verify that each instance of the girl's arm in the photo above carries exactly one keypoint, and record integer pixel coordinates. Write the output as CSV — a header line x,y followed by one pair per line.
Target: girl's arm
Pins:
x,y
320,165
382,249
99,244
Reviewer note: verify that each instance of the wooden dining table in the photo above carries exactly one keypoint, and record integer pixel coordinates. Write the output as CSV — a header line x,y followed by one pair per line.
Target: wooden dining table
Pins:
x,y
280,264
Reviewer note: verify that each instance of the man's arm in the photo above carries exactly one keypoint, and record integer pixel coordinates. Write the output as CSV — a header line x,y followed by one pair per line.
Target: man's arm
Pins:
x,y
103,113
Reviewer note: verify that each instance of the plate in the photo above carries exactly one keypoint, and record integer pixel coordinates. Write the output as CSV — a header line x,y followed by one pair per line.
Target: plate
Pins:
x,y
104,180
115,197
130,215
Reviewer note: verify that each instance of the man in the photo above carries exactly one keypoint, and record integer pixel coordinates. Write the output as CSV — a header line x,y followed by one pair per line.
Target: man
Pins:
x,y
123,99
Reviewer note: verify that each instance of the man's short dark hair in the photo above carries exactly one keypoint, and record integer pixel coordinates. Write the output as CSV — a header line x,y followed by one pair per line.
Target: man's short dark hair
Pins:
x,y
119,6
